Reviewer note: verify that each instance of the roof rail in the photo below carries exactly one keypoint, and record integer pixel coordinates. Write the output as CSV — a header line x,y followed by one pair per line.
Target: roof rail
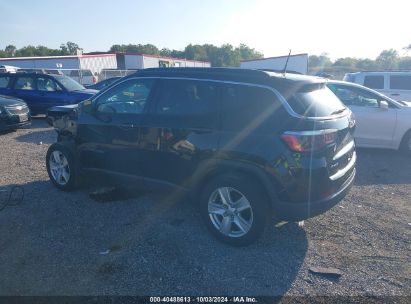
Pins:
x,y
222,71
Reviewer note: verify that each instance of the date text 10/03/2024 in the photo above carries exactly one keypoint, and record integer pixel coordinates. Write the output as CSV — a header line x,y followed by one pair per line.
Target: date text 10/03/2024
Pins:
x,y
240,299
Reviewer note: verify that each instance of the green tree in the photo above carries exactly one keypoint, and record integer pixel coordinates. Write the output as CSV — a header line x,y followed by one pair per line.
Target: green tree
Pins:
x,y
346,62
320,61
10,50
404,63
388,59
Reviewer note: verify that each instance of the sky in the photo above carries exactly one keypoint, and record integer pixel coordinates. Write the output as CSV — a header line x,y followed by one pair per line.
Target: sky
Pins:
x,y
349,28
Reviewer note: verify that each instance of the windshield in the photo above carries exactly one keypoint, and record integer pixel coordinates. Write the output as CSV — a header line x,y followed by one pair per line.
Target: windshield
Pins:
x,y
315,101
69,83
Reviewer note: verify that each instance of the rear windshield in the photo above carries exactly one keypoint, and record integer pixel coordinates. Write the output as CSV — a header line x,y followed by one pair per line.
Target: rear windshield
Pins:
x,y
315,101
69,83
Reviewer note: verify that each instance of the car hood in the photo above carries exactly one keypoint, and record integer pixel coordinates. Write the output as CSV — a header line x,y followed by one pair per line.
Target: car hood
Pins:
x,y
10,101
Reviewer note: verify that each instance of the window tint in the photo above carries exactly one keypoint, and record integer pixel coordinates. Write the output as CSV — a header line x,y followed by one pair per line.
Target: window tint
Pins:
x,y
351,96
374,82
400,82
314,101
47,84
4,81
128,97
246,108
186,97
24,83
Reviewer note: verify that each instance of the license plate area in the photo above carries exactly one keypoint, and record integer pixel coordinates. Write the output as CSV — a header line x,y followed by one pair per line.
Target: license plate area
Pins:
x,y
23,117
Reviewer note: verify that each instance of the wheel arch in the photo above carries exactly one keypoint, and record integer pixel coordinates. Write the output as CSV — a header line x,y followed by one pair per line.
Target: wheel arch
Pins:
x,y
209,169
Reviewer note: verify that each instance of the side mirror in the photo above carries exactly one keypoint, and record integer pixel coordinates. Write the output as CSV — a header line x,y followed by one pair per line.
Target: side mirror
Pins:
x,y
383,105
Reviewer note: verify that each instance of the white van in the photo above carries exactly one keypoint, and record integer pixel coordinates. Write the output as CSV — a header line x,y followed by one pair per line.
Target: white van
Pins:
x,y
85,77
396,84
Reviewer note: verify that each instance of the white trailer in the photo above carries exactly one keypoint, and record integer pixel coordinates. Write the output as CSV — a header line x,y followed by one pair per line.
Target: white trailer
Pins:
x,y
94,63
296,63
143,61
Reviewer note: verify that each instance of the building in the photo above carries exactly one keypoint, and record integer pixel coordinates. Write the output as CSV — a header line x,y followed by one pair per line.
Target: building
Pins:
x,y
94,63
143,61
98,61
295,63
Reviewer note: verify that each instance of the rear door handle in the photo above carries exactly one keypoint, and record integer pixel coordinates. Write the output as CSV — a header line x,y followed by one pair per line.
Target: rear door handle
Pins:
x,y
395,94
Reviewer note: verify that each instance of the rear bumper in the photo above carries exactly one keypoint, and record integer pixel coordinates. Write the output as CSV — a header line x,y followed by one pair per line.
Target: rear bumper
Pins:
x,y
290,211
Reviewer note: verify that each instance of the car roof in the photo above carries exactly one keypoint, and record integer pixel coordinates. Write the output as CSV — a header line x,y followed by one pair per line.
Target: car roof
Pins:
x,y
230,74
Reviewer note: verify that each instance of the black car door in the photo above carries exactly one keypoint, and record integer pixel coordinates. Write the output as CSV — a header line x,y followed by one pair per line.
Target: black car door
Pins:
x,y
180,131
109,136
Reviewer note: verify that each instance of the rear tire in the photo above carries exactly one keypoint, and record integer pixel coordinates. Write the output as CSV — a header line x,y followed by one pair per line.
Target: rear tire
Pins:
x,y
61,167
235,209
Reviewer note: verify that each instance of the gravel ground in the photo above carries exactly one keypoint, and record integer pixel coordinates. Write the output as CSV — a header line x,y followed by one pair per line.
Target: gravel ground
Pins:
x,y
57,243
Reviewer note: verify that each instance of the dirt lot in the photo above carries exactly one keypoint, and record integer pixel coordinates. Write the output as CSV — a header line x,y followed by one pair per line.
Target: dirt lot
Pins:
x,y
57,243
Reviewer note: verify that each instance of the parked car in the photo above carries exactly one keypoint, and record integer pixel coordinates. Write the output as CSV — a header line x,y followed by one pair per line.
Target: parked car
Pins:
x,y
85,77
396,84
382,122
8,68
104,83
14,113
42,91
248,144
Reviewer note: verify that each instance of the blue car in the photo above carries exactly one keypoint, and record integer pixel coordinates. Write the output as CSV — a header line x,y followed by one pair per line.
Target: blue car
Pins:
x,y
42,91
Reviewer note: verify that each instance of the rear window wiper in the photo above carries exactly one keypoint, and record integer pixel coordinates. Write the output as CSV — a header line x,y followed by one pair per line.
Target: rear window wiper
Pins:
x,y
338,111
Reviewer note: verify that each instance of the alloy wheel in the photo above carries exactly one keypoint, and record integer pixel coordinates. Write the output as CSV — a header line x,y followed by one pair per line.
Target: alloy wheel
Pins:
x,y
230,212
59,168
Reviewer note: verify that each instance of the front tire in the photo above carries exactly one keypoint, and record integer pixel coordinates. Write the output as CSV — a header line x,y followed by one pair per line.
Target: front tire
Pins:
x,y
61,167
235,209
406,143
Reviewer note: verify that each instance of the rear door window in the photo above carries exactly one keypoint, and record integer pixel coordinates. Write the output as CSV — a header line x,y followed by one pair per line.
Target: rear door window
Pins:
x,y
194,103
247,108
374,82
315,100
24,83
400,82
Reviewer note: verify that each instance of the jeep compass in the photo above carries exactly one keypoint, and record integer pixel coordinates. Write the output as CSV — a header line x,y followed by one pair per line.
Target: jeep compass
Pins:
x,y
250,145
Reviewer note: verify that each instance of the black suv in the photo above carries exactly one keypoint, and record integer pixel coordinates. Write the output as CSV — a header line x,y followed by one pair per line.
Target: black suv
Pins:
x,y
249,144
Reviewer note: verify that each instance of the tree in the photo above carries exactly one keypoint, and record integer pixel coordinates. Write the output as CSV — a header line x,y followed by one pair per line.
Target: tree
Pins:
x,y
321,61
346,62
70,48
247,53
10,50
388,59
404,63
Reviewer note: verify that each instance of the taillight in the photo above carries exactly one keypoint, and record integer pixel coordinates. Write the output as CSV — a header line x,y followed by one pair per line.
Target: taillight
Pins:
x,y
309,141
94,79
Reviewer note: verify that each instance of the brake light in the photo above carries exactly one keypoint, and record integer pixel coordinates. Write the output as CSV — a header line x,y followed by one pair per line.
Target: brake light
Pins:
x,y
309,141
